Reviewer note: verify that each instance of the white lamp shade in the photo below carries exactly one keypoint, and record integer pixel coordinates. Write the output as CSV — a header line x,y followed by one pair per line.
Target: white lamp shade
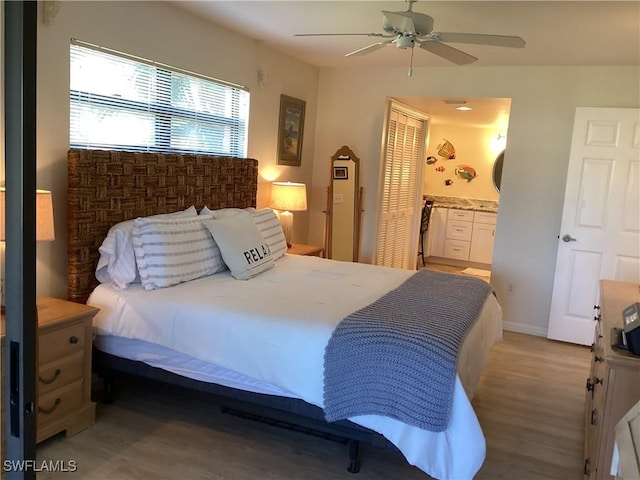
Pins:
x,y
288,196
44,215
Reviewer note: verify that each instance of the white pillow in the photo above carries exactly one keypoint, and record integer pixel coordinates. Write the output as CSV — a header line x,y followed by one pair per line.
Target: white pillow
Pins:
x,y
117,262
226,212
171,251
243,248
270,228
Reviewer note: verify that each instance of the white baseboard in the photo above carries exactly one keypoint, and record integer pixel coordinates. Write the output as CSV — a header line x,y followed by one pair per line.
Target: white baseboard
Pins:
x,y
524,328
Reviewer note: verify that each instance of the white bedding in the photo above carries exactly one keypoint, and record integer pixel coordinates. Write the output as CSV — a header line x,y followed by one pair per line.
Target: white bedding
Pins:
x,y
264,327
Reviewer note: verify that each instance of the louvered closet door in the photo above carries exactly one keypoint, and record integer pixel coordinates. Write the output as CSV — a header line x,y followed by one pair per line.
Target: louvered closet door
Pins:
x,y
399,195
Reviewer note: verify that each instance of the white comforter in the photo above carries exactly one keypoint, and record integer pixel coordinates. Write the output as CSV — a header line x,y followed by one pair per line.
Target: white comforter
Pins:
x,y
275,327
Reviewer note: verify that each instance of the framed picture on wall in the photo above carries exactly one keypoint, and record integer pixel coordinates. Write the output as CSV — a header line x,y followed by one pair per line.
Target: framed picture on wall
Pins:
x,y
290,130
340,173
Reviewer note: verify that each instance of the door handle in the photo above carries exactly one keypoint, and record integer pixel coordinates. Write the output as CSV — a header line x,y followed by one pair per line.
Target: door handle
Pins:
x,y
568,238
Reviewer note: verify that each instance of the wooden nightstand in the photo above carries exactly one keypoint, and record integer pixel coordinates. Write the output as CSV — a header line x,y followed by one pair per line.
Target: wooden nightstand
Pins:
x,y
64,367
301,249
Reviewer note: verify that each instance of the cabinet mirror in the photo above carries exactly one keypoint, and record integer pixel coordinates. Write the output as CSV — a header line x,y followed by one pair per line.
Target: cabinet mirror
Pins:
x,y
344,207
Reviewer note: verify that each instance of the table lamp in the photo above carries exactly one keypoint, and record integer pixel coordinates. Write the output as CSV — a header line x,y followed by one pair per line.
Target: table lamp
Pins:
x,y
288,197
44,222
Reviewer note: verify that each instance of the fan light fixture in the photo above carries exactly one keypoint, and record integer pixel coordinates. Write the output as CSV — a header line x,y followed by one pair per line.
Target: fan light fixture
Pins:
x,y
407,29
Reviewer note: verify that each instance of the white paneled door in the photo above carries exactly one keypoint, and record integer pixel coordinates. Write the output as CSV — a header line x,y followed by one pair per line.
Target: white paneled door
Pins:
x,y
600,231
400,195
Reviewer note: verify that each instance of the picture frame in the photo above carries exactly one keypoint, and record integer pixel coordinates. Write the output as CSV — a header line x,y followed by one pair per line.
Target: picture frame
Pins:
x,y
340,173
290,131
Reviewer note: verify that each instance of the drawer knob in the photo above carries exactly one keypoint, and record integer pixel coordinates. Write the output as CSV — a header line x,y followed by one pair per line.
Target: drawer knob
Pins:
x,y
598,359
589,385
73,339
52,379
599,381
594,417
47,411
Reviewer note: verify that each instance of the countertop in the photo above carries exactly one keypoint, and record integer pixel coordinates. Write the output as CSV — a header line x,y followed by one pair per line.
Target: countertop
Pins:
x,y
464,203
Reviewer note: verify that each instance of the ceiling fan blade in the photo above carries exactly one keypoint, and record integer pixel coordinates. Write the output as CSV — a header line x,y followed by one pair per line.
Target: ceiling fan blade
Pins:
x,y
481,39
341,34
448,53
399,22
369,49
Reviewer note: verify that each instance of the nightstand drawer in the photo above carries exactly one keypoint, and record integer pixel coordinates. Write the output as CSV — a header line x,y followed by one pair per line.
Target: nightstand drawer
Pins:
x,y
59,373
61,342
59,403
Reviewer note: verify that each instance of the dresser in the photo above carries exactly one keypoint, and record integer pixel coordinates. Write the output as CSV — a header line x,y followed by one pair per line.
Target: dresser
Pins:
x,y
63,362
613,386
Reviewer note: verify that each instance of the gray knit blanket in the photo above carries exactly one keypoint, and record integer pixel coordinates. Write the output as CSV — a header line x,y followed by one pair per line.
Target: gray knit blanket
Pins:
x,y
398,356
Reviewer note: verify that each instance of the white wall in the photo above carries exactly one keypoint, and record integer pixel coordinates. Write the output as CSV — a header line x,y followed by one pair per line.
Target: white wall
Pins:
x,y
477,147
350,112
158,31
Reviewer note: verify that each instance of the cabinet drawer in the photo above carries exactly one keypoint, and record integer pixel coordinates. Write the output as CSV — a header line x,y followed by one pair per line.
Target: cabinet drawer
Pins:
x,y
59,373
458,230
455,214
59,403
62,342
457,249
485,217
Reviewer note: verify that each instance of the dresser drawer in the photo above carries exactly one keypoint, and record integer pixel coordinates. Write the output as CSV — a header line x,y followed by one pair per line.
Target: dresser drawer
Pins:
x,y
59,403
459,230
465,215
61,342
59,373
457,249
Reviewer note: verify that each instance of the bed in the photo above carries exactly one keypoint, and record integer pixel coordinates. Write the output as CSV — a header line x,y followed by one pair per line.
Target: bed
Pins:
x,y
250,359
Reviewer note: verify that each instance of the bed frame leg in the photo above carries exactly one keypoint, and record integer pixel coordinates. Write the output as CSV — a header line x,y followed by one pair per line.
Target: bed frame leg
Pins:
x,y
108,382
354,456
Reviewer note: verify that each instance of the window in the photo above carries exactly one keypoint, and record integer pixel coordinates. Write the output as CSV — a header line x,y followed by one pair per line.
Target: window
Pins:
x,y
127,103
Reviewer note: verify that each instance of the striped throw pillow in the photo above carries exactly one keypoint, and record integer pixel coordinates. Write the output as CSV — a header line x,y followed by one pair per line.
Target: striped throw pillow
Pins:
x,y
172,251
270,228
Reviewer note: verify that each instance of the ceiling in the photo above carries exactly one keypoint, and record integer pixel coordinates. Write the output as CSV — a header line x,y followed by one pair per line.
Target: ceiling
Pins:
x,y
558,33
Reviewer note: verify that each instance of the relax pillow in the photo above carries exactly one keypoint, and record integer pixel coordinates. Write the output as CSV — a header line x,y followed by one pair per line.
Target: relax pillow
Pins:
x,y
270,228
243,248
117,262
171,251
226,212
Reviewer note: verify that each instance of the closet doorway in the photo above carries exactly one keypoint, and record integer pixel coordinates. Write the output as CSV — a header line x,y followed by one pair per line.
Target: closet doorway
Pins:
x,y
400,187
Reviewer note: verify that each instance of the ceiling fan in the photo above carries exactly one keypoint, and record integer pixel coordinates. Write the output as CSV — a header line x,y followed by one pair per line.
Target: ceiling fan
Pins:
x,y
408,29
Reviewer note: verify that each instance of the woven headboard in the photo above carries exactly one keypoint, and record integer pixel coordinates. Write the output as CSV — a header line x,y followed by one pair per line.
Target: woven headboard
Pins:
x,y
107,187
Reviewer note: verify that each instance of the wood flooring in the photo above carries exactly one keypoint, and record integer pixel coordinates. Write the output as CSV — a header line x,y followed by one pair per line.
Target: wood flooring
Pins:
x,y
530,404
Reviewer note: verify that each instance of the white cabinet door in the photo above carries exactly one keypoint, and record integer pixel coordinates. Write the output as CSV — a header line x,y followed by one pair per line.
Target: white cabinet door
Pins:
x,y
482,243
436,232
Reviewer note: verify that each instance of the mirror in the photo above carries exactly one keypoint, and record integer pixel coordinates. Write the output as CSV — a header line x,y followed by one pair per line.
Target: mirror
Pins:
x,y
344,207
497,170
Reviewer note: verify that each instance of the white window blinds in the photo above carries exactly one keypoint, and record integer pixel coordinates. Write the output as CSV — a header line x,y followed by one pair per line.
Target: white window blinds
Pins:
x,y
127,103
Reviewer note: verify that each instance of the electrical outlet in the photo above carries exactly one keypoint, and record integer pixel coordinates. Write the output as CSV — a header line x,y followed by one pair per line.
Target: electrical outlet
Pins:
x,y
511,288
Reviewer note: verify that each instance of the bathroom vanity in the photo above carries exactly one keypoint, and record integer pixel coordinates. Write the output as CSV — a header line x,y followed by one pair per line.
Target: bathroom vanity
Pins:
x,y
461,231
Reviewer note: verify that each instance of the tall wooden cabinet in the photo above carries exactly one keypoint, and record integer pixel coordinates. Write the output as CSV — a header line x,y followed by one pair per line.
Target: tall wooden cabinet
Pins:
x,y
613,386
